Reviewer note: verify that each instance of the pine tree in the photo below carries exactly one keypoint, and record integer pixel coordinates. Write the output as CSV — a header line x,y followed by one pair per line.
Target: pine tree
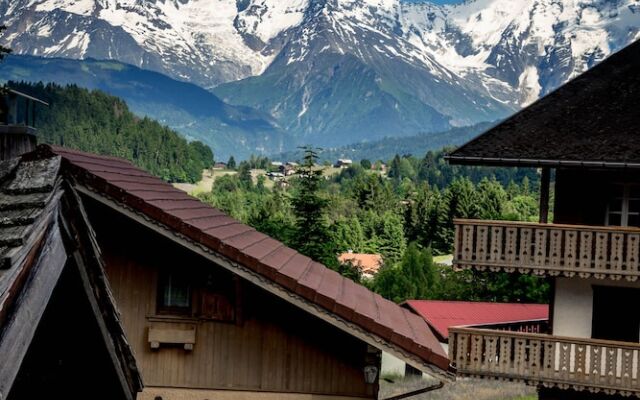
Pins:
x,y
231,164
244,175
492,198
309,207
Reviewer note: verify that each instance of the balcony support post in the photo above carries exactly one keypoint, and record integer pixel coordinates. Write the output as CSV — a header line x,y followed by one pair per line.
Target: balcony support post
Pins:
x,y
545,179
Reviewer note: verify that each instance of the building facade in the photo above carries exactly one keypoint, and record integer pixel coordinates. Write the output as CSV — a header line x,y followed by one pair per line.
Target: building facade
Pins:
x,y
214,309
585,138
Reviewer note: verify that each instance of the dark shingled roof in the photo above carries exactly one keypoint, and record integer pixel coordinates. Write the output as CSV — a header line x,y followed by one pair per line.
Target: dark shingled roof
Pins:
x,y
26,210
132,187
35,223
593,120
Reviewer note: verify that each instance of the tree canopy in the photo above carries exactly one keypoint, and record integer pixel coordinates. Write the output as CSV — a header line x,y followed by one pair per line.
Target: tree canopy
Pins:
x,y
97,122
405,215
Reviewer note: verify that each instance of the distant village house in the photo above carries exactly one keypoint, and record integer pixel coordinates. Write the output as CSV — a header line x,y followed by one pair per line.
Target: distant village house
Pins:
x,y
367,264
343,163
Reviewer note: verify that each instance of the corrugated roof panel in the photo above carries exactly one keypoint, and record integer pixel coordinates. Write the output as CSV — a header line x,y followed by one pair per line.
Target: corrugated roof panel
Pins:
x,y
441,315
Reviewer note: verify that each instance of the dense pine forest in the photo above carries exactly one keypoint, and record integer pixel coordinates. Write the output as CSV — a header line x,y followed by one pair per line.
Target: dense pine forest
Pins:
x,y
405,213
97,122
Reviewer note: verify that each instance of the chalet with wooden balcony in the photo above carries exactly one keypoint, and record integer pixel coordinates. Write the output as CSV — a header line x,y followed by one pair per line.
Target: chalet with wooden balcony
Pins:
x,y
585,137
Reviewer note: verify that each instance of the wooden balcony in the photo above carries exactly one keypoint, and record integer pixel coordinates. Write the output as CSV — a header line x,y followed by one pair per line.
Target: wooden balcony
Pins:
x,y
567,363
548,249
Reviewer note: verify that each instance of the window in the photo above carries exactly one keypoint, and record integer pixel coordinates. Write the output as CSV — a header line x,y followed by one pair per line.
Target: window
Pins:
x,y
612,317
623,208
174,294
192,293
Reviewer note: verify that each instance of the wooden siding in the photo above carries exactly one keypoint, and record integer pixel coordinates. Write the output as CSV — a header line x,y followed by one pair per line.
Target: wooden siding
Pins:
x,y
274,347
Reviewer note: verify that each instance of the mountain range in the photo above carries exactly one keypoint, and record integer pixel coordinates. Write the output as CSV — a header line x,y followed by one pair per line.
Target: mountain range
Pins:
x,y
189,109
334,72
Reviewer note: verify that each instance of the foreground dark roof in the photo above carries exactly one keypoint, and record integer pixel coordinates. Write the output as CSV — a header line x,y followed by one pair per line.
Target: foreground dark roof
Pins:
x,y
38,212
593,120
122,182
26,210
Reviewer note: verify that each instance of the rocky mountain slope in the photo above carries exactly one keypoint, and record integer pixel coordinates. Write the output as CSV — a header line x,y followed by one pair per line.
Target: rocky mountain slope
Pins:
x,y
339,71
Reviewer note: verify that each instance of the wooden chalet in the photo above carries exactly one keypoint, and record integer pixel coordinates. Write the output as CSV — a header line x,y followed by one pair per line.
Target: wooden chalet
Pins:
x,y
214,309
60,334
587,135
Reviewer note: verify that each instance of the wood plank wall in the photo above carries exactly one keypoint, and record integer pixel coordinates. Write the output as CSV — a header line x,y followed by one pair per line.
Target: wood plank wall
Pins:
x,y
276,347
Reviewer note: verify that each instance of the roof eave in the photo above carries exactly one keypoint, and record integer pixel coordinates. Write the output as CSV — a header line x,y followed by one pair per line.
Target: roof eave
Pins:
x,y
537,163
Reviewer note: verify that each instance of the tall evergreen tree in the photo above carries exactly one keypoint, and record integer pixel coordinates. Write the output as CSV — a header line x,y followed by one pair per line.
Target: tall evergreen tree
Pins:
x,y
309,207
244,175
231,164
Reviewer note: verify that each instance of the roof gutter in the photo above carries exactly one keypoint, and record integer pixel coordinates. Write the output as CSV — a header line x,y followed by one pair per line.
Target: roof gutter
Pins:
x,y
26,96
430,388
526,162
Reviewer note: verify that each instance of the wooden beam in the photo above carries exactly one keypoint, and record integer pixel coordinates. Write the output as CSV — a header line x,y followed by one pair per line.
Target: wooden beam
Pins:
x,y
21,327
87,285
268,285
545,180
89,264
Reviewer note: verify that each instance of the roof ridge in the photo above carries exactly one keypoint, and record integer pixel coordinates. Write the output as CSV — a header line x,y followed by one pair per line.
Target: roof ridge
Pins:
x,y
66,150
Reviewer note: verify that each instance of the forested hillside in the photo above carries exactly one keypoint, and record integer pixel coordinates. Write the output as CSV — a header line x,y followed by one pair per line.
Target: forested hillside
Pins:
x,y
97,122
405,214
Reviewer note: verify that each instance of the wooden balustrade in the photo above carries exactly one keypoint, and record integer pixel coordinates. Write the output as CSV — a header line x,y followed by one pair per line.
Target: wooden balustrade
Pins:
x,y
579,364
548,249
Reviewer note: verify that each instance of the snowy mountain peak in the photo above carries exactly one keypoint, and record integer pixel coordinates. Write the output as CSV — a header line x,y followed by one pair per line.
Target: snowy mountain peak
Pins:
x,y
399,66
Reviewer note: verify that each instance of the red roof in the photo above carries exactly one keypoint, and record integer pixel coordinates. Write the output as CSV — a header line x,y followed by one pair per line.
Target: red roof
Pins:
x,y
127,184
367,263
442,315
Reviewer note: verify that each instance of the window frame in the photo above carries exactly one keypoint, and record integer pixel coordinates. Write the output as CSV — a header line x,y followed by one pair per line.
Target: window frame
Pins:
x,y
626,199
164,278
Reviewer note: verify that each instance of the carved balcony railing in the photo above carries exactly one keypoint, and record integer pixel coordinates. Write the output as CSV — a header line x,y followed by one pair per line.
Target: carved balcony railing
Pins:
x,y
567,363
548,249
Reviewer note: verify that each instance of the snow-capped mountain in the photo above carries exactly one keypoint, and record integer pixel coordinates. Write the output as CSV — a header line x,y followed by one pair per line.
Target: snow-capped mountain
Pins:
x,y
532,45
196,40
338,71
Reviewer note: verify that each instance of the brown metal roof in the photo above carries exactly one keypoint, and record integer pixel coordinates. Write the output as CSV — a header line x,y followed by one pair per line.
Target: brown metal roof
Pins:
x,y
121,181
